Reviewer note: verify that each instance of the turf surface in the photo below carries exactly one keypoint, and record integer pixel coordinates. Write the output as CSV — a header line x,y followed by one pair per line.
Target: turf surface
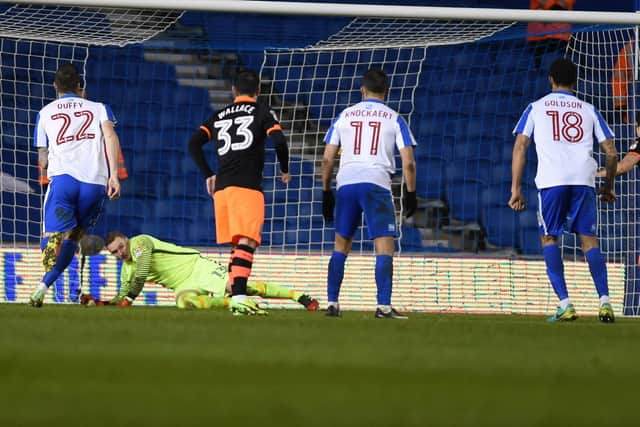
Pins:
x,y
73,366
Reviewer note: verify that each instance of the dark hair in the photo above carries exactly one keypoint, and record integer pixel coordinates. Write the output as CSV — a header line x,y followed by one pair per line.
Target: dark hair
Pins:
x,y
113,235
375,80
247,82
67,78
564,72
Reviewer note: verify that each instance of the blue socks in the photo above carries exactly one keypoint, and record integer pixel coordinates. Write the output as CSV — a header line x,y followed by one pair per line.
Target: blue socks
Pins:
x,y
384,278
65,256
598,268
555,270
335,275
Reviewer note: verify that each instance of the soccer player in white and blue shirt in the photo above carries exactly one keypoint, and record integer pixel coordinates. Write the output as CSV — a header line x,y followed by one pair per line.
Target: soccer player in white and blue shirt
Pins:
x,y
367,135
78,146
564,128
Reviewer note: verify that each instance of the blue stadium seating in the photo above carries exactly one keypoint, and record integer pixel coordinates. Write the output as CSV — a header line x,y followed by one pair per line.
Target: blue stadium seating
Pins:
x,y
463,199
501,225
429,179
411,239
463,158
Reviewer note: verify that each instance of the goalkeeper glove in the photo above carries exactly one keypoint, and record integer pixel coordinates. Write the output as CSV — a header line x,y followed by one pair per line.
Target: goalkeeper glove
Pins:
x,y
410,203
328,203
86,299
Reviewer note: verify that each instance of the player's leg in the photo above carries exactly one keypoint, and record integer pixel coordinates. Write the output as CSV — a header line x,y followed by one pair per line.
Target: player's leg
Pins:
x,y
58,247
377,204
272,290
194,299
205,287
245,226
585,223
347,219
553,207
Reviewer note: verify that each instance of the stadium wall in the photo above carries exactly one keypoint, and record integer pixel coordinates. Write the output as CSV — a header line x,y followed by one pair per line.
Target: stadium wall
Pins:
x,y
422,284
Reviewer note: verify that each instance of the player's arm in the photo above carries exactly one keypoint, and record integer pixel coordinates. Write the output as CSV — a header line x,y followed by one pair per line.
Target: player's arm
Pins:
x,y
132,283
199,138
410,201
41,143
282,152
627,163
112,143
144,252
43,157
517,202
606,191
405,143
273,129
624,166
328,161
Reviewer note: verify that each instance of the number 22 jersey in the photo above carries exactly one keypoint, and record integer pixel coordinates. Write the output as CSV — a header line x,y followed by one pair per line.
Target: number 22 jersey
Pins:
x,y
70,127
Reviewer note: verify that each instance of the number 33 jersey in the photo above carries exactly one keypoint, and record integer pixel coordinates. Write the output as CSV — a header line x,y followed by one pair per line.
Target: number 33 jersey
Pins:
x,y
239,131
368,133
70,127
563,129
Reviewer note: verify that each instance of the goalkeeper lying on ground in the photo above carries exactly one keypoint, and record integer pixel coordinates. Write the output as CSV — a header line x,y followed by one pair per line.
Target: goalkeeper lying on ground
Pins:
x,y
198,282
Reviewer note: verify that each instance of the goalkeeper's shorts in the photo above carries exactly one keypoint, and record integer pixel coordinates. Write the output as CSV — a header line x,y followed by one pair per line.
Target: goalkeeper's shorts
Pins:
x,y
207,277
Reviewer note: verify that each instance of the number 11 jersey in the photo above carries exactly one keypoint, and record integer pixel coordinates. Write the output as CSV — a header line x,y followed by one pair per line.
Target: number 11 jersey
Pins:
x,y
367,134
70,127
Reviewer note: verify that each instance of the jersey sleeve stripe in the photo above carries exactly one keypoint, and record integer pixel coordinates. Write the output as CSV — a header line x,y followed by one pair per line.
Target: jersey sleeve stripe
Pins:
x,y
205,130
407,138
603,125
327,137
35,134
523,120
272,128
110,114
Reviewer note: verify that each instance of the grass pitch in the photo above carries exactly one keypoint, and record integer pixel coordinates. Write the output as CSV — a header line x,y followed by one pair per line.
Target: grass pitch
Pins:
x,y
73,366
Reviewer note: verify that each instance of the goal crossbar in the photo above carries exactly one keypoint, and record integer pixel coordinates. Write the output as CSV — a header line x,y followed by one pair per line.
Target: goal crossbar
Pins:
x,y
371,11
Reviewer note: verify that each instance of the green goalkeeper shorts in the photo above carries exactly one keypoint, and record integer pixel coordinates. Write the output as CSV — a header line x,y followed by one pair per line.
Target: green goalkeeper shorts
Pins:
x,y
207,278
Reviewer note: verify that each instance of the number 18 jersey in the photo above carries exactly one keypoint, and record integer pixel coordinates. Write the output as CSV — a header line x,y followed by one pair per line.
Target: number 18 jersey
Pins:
x,y
367,134
563,129
70,127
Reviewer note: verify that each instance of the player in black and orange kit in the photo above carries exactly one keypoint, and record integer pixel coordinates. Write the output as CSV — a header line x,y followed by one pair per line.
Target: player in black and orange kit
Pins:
x,y
239,131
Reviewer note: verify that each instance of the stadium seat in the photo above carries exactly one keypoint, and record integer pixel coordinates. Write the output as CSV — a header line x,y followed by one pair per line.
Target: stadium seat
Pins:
x,y
501,225
469,170
495,195
529,241
430,182
463,199
151,185
411,240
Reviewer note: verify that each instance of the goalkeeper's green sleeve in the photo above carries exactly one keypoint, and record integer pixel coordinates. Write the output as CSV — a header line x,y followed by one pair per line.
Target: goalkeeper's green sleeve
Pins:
x,y
143,266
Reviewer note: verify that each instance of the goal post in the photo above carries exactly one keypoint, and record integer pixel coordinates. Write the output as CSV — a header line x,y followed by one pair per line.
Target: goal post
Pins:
x,y
461,78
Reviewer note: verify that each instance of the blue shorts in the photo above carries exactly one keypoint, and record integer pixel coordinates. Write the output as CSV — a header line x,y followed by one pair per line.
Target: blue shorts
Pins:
x,y
376,203
70,203
570,208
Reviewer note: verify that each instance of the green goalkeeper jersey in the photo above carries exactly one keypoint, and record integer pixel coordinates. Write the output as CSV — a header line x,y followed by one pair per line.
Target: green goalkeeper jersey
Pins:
x,y
153,260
